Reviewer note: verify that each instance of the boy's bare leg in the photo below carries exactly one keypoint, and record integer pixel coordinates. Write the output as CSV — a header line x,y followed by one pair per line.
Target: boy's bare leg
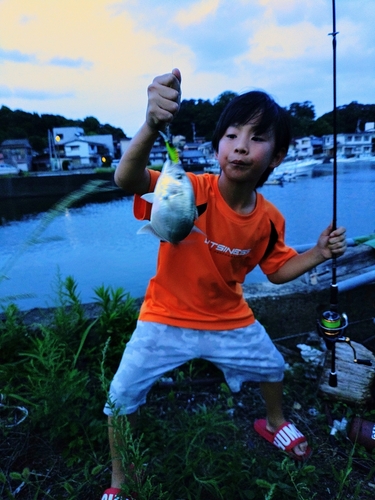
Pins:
x,y
273,396
272,393
118,473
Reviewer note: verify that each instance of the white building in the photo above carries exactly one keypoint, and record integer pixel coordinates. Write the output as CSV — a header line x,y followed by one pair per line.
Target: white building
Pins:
x,y
69,145
62,135
351,145
303,147
85,152
124,144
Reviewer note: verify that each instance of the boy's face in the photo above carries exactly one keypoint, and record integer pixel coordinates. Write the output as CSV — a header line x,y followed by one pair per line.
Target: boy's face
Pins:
x,y
244,155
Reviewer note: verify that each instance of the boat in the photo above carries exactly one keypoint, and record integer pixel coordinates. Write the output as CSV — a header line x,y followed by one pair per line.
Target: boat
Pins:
x,y
6,169
298,168
278,179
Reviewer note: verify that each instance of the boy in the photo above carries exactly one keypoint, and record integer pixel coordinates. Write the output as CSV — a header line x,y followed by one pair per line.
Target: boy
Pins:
x,y
194,307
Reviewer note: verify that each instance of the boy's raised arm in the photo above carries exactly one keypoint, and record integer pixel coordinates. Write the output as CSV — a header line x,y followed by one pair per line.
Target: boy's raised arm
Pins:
x,y
164,95
330,244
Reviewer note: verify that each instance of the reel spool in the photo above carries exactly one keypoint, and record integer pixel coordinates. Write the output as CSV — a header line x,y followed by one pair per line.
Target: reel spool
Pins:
x,y
331,327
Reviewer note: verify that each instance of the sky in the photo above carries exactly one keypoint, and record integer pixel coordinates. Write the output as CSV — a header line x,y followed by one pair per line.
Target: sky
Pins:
x,y
79,58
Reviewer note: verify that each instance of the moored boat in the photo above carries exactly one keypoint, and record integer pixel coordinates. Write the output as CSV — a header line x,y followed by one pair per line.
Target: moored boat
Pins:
x,y
298,168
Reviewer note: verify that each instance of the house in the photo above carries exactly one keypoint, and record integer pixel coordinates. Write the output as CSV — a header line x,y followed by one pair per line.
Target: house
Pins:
x,y
86,152
351,145
70,148
196,155
62,135
18,153
124,144
306,147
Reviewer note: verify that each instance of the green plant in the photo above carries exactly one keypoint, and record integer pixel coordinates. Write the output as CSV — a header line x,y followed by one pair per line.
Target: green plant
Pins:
x,y
118,311
197,441
200,457
105,170
342,476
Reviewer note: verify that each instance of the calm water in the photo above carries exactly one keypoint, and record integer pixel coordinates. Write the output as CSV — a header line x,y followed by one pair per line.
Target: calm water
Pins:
x,y
97,243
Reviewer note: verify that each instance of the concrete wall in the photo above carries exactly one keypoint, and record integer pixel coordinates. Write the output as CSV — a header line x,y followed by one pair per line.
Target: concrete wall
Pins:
x,y
298,312
57,184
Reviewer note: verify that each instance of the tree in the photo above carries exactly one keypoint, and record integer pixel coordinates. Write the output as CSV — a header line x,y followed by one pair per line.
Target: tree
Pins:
x,y
198,117
302,117
352,117
322,126
22,125
91,125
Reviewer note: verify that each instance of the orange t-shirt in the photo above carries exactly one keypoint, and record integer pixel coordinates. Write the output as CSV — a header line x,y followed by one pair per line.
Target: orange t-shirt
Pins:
x,y
198,281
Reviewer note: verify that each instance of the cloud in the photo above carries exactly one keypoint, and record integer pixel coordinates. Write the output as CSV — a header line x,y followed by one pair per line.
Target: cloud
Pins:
x,y
70,63
16,56
5,91
272,42
96,57
196,13
33,95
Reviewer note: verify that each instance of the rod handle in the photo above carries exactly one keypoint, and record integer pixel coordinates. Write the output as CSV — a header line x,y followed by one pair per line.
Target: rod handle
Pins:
x,y
332,379
366,362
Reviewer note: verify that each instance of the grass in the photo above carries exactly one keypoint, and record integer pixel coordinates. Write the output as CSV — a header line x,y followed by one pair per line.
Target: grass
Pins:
x,y
197,440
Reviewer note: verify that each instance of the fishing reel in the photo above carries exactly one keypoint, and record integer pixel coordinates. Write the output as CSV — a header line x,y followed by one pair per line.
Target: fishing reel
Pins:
x,y
331,327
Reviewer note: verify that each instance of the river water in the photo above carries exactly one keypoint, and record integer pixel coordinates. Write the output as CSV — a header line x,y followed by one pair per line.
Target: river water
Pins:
x,y
97,243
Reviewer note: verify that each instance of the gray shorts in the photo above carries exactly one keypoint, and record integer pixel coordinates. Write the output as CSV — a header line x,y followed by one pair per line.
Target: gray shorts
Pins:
x,y
244,354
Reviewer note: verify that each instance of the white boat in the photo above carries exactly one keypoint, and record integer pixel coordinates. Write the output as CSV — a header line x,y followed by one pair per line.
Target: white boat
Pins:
x,y
297,168
353,159
288,170
6,169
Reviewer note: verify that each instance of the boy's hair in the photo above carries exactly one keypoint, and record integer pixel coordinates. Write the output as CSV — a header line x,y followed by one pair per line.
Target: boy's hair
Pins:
x,y
259,106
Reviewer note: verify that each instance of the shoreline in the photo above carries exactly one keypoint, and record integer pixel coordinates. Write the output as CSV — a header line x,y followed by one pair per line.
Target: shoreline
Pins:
x,y
59,183
293,311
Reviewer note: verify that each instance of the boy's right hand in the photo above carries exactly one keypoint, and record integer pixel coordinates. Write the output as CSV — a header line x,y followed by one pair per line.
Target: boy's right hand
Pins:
x,y
164,96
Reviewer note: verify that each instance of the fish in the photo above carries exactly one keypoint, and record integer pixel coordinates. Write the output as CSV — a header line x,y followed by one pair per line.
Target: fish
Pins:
x,y
173,211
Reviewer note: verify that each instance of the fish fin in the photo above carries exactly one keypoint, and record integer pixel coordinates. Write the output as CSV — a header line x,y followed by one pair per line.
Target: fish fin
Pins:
x,y
148,229
149,197
201,209
197,230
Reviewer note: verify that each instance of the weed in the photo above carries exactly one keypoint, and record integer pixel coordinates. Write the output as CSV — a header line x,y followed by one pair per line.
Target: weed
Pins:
x,y
196,444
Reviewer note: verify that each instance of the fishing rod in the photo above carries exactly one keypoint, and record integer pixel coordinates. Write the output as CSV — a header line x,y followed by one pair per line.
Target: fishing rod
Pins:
x,y
332,324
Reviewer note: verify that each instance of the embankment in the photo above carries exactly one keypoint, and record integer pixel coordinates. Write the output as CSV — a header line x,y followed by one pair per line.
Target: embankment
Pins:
x,y
49,184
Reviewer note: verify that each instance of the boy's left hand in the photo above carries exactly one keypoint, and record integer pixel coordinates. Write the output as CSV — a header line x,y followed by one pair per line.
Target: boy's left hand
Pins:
x,y
332,243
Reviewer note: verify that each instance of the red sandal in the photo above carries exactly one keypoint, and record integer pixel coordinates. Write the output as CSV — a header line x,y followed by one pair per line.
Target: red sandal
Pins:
x,y
115,494
286,437
111,494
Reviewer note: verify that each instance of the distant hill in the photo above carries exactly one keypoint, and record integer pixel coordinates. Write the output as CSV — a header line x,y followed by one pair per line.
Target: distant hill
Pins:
x,y
196,118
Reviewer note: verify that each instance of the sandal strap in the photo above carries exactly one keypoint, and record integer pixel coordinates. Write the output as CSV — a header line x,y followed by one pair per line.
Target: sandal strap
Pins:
x,y
288,436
